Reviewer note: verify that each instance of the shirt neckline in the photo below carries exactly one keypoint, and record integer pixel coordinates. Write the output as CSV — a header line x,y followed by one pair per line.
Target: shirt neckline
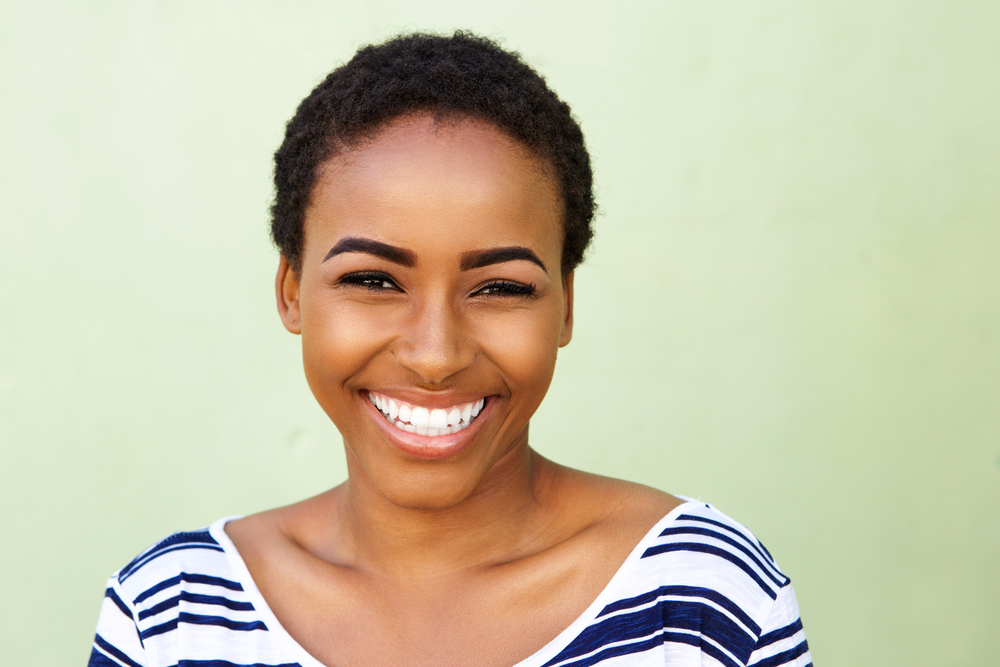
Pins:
x,y
536,659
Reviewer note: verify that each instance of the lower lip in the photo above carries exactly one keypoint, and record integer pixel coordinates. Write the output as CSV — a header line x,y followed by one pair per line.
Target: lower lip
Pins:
x,y
425,446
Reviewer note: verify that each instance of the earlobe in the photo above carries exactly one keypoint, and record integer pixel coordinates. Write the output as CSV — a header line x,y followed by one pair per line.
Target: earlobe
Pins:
x,y
286,287
567,328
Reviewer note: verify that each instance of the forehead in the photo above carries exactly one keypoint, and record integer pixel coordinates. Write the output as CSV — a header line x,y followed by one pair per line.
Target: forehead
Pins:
x,y
420,178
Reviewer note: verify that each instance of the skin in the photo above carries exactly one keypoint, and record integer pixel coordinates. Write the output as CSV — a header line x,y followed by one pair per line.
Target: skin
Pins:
x,y
477,550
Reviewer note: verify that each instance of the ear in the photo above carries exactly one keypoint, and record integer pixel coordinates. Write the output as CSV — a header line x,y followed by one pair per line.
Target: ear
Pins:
x,y
567,328
286,288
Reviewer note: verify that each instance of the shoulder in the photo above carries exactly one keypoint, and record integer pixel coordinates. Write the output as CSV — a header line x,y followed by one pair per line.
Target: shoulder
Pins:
x,y
699,583
188,577
698,588
699,563
701,559
715,552
184,590
675,533
605,503
179,557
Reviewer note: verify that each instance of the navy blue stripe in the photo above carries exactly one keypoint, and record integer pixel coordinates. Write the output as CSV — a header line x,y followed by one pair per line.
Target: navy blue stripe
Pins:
x,y
191,579
710,623
680,638
715,551
158,629
612,652
242,626
624,627
705,532
103,644
162,552
685,591
158,608
779,634
197,536
198,619
714,652
98,659
784,657
752,541
196,599
110,593
693,616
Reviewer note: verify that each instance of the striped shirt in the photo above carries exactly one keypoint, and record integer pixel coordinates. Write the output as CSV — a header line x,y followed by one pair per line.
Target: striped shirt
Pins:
x,y
699,589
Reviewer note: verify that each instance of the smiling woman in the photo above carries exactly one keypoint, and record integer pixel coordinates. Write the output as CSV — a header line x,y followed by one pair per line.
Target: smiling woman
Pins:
x,y
433,200
434,295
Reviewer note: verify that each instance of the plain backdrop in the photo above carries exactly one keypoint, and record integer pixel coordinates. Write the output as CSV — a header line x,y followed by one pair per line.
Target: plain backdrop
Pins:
x,y
791,310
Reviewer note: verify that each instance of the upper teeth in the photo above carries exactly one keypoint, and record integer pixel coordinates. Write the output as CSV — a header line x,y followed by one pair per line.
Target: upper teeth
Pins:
x,y
426,421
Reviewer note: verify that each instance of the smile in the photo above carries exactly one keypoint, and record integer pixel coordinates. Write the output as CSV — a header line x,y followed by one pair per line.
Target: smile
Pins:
x,y
426,421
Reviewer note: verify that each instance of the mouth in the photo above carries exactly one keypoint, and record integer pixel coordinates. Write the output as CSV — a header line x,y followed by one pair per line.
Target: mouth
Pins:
x,y
426,421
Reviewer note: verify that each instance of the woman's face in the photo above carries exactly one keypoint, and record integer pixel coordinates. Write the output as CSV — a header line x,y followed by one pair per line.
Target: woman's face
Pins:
x,y
431,306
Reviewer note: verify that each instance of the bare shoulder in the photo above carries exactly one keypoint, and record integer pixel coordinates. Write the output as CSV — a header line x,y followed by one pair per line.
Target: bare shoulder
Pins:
x,y
609,506
276,531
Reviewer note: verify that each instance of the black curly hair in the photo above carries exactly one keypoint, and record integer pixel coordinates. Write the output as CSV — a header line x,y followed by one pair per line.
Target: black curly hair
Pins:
x,y
462,75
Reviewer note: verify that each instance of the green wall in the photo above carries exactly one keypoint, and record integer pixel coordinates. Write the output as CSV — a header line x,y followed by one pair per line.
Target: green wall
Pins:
x,y
791,310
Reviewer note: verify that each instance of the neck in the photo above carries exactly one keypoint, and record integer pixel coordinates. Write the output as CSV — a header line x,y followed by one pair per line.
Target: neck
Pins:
x,y
500,520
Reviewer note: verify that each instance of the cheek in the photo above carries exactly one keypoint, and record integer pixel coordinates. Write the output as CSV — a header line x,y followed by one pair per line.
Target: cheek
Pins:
x,y
337,344
525,349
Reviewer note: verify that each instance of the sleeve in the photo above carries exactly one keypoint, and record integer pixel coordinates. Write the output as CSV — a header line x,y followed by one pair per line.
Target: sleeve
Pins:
x,y
782,640
117,642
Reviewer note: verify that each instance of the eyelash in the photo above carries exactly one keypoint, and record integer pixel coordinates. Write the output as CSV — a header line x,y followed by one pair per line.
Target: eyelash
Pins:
x,y
373,281
506,288
378,282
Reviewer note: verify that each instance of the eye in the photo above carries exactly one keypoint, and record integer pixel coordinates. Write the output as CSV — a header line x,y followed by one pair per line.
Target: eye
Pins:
x,y
373,281
505,288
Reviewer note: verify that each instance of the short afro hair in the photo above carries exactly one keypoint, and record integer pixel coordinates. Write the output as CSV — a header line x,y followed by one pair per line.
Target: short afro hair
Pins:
x,y
462,75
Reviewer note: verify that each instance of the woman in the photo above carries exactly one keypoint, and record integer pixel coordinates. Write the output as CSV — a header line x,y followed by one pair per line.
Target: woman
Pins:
x,y
433,198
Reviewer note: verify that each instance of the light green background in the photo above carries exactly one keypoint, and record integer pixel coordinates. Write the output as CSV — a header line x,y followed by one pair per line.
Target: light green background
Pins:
x,y
791,311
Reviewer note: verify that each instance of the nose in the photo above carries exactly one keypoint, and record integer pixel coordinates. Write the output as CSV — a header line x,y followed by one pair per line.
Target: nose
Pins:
x,y
434,343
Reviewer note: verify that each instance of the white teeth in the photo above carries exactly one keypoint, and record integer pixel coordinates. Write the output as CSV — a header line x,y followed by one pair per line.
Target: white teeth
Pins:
x,y
439,418
420,417
426,421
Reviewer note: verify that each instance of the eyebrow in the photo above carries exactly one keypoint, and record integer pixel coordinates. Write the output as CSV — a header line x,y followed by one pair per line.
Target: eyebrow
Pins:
x,y
470,260
371,247
481,258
